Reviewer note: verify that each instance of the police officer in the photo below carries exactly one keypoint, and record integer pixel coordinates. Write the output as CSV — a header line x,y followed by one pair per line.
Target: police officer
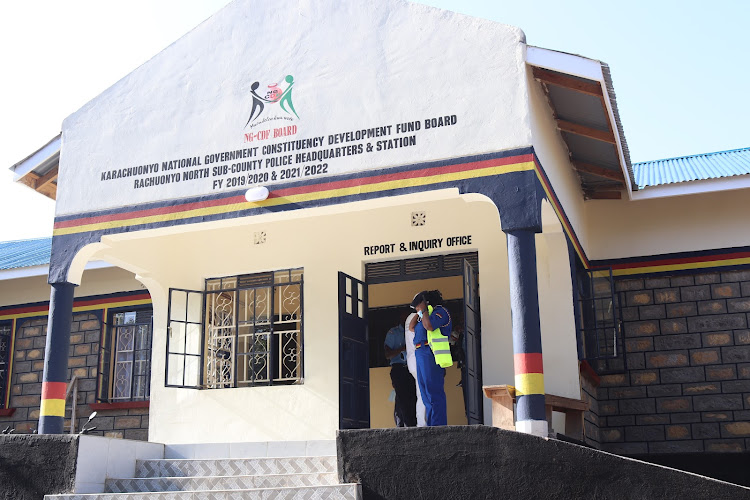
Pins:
x,y
432,329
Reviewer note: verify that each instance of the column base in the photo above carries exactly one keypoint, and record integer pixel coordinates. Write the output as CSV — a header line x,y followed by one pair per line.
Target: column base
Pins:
x,y
534,427
51,425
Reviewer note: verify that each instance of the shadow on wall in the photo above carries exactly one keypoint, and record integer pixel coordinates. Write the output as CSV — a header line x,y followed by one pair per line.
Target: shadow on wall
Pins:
x,y
731,467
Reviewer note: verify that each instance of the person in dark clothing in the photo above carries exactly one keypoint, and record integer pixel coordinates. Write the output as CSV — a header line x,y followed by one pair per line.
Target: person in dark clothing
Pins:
x,y
405,413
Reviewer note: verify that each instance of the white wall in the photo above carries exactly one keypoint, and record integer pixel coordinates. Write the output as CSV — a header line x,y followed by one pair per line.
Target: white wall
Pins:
x,y
556,313
708,221
323,242
100,458
355,65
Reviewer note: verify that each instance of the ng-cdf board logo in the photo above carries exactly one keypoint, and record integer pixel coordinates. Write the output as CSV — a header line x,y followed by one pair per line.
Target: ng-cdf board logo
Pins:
x,y
269,103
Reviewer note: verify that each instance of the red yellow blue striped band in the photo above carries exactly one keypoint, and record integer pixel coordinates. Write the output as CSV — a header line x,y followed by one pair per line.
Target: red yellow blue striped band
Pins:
x,y
53,399
300,194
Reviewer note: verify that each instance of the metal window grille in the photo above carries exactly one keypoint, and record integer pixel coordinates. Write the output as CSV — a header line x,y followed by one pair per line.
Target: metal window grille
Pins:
x,y
125,357
131,371
253,326
600,325
6,332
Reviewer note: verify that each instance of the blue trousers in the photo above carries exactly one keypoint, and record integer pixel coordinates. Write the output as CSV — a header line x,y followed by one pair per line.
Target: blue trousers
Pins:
x,y
431,380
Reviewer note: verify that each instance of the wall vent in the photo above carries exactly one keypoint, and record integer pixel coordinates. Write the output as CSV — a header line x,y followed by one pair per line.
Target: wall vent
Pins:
x,y
435,266
418,218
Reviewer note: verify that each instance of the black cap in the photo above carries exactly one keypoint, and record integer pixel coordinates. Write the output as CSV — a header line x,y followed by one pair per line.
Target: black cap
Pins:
x,y
418,299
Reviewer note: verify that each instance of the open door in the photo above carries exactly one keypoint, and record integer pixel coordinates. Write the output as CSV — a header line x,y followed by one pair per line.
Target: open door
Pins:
x,y
354,365
472,375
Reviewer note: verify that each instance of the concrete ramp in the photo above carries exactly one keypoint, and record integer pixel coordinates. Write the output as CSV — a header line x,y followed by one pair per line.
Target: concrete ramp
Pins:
x,y
476,462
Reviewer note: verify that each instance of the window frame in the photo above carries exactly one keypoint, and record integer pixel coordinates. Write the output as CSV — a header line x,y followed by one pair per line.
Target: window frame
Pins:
x,y
108,353
610,358
253,281
7,362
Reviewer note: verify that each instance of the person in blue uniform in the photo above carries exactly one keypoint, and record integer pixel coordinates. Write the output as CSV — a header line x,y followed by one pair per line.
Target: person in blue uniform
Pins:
x,y
430,376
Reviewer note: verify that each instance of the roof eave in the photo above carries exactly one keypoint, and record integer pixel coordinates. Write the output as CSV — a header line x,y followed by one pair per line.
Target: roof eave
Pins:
x,y
24,272
43,270
39,170
590,69
693,187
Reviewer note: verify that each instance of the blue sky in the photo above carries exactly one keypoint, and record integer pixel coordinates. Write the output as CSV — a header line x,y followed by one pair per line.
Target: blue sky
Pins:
x,y
679,69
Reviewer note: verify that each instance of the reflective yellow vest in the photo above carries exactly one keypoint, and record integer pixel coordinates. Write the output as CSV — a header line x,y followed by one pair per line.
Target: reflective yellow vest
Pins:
x,y
440,345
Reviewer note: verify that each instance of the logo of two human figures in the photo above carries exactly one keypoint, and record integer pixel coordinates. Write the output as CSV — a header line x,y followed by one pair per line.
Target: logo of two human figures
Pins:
x,y
273,95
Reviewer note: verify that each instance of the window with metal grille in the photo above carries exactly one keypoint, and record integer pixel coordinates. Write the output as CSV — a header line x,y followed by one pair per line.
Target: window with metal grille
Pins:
x,y
6,334
599,320
240,331
253,329
125,357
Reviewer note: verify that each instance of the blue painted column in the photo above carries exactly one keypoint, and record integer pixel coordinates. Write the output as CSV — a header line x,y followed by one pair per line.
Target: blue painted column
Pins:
x,y
55,377
527,335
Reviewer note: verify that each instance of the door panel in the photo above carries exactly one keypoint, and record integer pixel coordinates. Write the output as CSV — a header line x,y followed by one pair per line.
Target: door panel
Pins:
x,y
472,375
354,374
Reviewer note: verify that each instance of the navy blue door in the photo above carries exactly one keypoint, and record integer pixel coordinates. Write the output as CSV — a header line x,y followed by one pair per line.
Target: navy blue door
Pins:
x,y
472,375
354,363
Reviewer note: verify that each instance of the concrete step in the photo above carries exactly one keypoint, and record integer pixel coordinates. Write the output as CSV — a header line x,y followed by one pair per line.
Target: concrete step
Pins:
x,y
202,483
332,492
234,467
316,448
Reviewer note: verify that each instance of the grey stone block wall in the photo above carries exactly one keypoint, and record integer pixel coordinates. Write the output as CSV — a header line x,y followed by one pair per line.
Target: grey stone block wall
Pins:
x,y
591,417
687,386
26,381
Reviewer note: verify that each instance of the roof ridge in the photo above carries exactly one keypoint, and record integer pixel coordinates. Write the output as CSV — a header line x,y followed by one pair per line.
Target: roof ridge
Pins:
x,y
693,156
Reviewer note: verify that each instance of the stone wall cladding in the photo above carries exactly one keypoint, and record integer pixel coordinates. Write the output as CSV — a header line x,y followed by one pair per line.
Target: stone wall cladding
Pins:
x,y
26,381
687,347
589,387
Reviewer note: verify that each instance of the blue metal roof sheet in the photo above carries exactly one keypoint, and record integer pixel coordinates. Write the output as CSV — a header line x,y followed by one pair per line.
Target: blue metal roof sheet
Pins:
x,y
24,253
692,168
